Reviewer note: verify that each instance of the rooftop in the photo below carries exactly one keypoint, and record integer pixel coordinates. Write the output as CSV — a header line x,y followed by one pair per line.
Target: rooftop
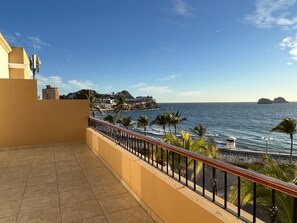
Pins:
x,y
62,183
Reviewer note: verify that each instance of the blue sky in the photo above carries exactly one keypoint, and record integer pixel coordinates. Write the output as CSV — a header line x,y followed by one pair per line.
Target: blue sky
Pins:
x,y
175,50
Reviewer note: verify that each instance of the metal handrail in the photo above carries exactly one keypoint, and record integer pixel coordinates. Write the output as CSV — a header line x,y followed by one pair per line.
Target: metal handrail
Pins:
x,y
145,148
270,182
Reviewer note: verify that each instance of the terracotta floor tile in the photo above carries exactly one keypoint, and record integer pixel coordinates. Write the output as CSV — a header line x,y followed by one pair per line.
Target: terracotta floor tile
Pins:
x,y
9,208
73,196
131,215
80,211
117,202
106,179
44,179
9,219
40,190
105,190
70,176
98,219
18,169
39,203
73,185
51,215
12,194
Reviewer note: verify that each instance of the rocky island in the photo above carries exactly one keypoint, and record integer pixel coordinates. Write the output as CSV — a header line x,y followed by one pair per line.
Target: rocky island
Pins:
x,y
275,101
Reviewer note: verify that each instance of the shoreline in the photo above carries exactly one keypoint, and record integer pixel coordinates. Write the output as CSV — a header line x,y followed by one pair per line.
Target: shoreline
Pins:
x,y
247,157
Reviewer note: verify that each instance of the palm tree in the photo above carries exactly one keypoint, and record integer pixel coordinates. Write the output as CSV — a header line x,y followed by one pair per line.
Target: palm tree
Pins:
x,y
168,116
287,125
120,105
160,120
199,145
126,122
282,171
143,122
110,118
200,130
176,119
93,105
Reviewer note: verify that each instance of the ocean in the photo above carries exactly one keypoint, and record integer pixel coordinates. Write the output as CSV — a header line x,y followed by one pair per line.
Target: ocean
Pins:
x,y
248,122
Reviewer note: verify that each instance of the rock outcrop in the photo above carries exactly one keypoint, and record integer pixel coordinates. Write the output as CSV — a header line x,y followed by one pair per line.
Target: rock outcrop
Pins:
x,y
268,101
280,100
264,101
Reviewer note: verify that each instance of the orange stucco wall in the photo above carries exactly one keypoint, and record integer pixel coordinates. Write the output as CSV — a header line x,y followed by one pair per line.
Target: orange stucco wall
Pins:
x,y
163,197
17,74
24,120
18,55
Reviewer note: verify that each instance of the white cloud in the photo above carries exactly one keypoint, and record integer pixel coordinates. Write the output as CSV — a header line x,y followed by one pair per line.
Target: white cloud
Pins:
x,y
138,85
25,41
155,89
271,13
79,84
18,34
10,38
36,42
190,93
65,87
180,7
169,77
150,89
290,43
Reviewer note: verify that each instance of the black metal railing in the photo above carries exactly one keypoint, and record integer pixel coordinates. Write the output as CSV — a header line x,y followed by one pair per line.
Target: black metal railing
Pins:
x,y
208,177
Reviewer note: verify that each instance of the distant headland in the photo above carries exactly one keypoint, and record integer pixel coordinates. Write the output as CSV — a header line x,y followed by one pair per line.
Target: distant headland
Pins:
x,y
107,101
275,101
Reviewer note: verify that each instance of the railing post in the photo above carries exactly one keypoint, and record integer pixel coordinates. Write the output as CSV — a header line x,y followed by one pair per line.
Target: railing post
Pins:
x,y
225,189
254,202
295,210
186,171
194,180
238,197
203,179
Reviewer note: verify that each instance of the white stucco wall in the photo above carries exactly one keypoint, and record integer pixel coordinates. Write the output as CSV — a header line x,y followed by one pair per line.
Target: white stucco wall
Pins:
x,y
4,71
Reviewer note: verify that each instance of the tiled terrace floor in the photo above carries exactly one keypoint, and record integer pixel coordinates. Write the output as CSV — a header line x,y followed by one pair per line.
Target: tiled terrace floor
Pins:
x,y
62,183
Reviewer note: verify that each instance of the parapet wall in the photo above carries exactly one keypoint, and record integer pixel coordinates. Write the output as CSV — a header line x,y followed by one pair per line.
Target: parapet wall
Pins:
x,y
165,199
24,120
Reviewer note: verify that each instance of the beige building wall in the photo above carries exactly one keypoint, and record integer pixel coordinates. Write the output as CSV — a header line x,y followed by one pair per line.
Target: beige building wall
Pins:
x,y
19,64
24,120
4,51
14,62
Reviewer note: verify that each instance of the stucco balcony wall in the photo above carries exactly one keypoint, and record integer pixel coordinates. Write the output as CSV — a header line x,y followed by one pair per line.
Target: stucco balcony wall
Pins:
x,y
165,199
25,120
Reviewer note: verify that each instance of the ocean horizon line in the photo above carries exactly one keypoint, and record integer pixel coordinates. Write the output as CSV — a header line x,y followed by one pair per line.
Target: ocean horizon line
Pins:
x,y
216,102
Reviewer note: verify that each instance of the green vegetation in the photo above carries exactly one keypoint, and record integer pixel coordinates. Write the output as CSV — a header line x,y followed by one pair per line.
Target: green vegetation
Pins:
x,y
143,122
198,145
176,120
288,126
125,122
120,105
167,119
160,120
110,118
269,167
200,130
93,105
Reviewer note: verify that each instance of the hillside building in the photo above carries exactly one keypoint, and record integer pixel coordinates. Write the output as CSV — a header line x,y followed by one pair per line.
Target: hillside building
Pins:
x,y
50,93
